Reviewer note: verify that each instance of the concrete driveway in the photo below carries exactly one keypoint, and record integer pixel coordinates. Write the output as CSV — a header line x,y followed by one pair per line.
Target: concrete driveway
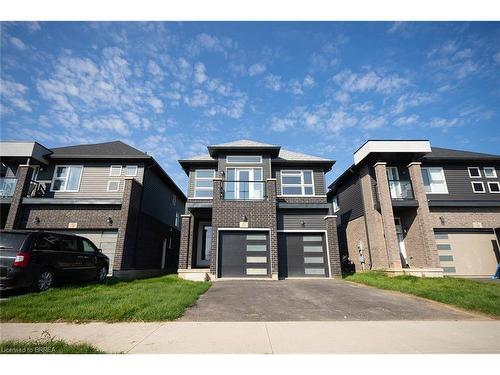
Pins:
x,y
313,300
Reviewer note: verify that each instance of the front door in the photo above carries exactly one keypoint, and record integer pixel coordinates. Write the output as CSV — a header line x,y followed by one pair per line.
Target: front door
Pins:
x,y
401,242
204,244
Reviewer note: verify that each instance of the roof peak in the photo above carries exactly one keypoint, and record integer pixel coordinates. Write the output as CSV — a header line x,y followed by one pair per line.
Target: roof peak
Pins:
x,y
243,143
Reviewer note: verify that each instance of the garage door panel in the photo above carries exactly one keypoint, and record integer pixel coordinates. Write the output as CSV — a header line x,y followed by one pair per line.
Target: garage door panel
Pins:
x,y
243,255
302,255
467,254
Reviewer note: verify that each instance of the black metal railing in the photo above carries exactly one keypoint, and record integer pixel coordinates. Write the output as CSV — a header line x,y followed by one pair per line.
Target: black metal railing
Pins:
x,y
243,190
38,189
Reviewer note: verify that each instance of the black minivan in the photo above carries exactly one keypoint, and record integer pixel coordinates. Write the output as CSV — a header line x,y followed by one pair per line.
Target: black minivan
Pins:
x,y
36,259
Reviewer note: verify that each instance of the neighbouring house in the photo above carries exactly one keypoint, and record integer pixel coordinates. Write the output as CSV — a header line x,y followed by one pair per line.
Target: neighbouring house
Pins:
x,y
113,194
255,210
407,207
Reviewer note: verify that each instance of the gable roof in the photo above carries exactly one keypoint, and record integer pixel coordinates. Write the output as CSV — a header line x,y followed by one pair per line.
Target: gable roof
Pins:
x,y
112,150
288,155
244,143
439,153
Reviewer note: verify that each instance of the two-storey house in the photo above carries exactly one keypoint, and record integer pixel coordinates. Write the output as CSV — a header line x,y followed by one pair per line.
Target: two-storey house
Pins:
x,y
407,207
255,210
115,195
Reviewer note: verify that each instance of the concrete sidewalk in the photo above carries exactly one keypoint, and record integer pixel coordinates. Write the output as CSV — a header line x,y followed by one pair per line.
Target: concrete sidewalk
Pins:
x,y
274,337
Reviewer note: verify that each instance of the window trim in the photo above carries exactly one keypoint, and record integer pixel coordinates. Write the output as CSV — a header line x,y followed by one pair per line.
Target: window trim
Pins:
x,y
302,185
474,190
203,178
335,203
444,180
177,220
494,172
111,170
243,162
131,175
478,169
113,191
493,183
66,178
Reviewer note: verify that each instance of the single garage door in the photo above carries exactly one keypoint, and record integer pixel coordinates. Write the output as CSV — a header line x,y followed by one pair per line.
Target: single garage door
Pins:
x,y
468,254
104,240
243,254
302,255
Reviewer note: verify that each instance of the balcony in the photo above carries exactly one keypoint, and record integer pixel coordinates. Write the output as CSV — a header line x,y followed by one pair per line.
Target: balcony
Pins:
x,y
7,186
239,190
401,190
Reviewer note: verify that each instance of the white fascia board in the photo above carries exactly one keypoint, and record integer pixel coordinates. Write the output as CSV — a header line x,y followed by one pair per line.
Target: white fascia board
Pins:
x,y
389,147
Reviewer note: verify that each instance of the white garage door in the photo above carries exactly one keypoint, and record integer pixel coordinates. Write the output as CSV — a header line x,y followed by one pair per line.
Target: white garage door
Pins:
x,y
468,254
104,240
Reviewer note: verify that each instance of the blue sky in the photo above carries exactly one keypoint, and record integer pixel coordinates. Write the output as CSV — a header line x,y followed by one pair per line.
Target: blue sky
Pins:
x,y
321,88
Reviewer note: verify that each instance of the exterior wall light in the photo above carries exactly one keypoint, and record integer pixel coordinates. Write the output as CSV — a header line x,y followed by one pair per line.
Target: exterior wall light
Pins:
x,y
441,218
303,223
36,220
245,219
109,220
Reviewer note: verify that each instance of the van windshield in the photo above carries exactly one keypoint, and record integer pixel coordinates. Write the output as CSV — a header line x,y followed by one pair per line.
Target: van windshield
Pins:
x,y
11,241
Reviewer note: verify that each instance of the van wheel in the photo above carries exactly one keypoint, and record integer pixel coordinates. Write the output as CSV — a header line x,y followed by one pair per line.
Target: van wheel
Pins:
x,y
44,281
102,274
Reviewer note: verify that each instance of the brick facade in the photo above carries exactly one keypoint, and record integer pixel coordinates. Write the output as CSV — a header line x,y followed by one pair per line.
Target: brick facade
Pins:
x,y
356,235
24,173
465,217
333,246
185,246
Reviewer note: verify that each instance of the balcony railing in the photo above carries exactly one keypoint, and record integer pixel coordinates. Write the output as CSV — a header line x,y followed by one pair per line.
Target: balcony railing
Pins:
x,y
37,189
401,189
7,186
244,190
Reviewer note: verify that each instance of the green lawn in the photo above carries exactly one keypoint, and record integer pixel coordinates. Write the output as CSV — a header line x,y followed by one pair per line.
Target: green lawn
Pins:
x,y
155,299
51,347
467,294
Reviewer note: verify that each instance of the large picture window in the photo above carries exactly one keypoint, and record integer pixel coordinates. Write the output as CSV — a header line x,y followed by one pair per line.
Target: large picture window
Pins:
x,y
244,159
297,183
203,183
67,178
434,180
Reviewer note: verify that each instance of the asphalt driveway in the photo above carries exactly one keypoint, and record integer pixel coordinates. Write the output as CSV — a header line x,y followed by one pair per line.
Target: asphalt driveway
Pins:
x,y
313,300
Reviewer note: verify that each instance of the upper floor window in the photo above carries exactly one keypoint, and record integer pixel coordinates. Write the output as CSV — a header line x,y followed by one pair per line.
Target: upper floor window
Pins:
x,y
335,202
244,159
174,199
494,187
177,219
113,186
115,170
478,187
490,172
131,170
203,183
474,172
297,183
67,178
434,180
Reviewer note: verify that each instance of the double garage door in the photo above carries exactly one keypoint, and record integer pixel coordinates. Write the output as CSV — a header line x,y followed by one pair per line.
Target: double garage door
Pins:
x,y
468,254
246,254
104,240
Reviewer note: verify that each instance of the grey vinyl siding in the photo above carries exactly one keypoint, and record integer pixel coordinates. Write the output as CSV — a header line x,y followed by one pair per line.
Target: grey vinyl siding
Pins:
x,y
459,182
318,177
350,200
157,199
94,180
292,220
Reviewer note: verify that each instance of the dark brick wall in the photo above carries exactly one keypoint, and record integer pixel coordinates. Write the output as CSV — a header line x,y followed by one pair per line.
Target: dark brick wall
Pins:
x,y
333,246
185,246
24,173
302,199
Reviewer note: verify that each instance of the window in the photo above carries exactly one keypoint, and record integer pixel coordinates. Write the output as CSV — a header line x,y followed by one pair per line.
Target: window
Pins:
x,y
335,202
490,172
203,183
67,178
478,187
474,172
113,185
69,244
115,170
174,199
244,183
297,183
87,246
177,217
47,242
36,171
434,180
131,170
494,187
245,159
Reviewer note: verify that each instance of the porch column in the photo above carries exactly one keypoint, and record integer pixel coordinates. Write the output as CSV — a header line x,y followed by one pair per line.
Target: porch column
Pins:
x,y
384,198
273,239
333,245
184,248
428,254
217,221
24,173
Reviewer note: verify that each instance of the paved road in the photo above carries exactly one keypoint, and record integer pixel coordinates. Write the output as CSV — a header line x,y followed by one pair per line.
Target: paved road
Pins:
x,y
313,300
274,337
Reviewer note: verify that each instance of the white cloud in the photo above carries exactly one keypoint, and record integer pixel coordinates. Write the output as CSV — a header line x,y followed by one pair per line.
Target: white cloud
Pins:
x,y
443,123
154,69
311,119
18,43
113,123
373,122
156,103
14,93
369,81
308,81
296,87
406,101
496,57
340,120
209,43
406,120
33,26
197,99
281,124
342,97
256,69
199,73
273,82
395,27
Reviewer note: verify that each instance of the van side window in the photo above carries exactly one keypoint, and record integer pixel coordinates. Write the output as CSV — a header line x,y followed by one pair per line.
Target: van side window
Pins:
x,y
47,242
70,244
87,246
